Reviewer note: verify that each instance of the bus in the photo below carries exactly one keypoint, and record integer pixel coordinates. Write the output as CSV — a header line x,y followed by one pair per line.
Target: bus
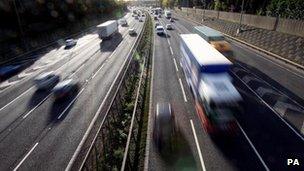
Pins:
x,y
206,72
216,39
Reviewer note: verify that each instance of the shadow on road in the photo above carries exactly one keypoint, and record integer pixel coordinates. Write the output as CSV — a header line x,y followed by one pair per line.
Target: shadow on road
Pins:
x,y
62,105
109,45
180,157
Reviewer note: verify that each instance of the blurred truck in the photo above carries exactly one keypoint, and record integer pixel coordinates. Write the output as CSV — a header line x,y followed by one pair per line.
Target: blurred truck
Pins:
x,y
168,14
216,39
107,29
206,72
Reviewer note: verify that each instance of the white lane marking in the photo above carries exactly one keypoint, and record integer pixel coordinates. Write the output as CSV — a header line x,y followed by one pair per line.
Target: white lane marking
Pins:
x,y
274,111
20,163
97,71
70,103
16,98
184,94
197,146
168,41
54,71
29,112
253,147
175,65
82,65
171,50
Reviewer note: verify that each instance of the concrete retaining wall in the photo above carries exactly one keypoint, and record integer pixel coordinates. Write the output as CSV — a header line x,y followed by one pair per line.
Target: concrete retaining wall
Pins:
x,y
230,16
259,21
293,27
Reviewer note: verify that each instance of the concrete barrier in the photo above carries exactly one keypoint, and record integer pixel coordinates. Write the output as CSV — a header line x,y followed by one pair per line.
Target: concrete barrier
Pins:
x,y
294,27
212,13
259,21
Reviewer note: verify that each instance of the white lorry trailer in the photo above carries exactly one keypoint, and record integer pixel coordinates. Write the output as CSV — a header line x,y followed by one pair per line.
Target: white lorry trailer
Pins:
x,y
168,14
206,72
107,29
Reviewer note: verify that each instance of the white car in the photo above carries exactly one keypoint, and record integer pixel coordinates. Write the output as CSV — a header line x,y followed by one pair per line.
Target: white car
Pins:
x,y
169,27
70,42
160,30
46,80
132,31
156,24
123,22
140,19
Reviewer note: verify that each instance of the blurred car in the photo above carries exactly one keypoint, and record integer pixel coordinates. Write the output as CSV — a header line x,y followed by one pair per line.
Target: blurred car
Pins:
x,y
159,16
140,19
136,17
70,42
157,24
132,31
169,27
160,30
123,22
171,20
143,15
65,88
46,80
155,17
7,71
165,127
222,122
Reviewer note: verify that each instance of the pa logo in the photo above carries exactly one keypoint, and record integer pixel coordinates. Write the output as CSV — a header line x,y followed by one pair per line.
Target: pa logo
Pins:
x,y
293,162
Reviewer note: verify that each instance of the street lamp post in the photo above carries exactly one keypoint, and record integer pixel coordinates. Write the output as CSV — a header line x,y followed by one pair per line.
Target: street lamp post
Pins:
x,y
19,25
204,10
239,30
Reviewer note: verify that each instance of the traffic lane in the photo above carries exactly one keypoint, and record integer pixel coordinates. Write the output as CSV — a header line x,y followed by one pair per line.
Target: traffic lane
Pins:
x,y
56,148
24,104
274,131
166,88
272,138
280,76
36,124
19,88
234,154
15,90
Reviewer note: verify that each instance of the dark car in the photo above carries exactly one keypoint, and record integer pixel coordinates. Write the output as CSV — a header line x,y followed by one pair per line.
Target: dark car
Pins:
x,y
165,127
65,88
7,71
46,80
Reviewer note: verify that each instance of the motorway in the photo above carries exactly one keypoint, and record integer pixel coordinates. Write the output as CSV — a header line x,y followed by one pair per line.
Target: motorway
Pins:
x,y
37,133
271,127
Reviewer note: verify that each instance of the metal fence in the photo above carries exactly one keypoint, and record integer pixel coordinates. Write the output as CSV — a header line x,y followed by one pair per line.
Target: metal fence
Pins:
x,y
93,153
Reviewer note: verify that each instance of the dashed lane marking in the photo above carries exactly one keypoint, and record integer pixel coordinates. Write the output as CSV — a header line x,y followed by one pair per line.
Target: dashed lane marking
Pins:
x,y
175,65
26,156
184,94
171,50
197,146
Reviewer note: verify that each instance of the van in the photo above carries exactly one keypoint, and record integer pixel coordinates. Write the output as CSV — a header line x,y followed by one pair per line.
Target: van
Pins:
x,y
216,39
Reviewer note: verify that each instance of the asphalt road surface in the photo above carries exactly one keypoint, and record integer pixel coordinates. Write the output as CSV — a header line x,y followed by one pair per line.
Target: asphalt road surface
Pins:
x,y
38,134
267,136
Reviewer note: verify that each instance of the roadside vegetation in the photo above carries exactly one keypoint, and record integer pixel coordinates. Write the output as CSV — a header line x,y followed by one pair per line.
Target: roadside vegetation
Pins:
x,y
29,24
293,9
